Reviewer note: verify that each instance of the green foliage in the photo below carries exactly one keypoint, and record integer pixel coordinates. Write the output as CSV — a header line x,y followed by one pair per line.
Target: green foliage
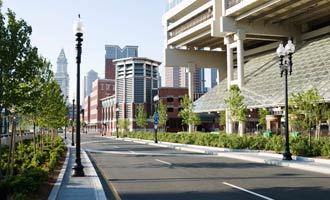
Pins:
x,y
262,112
222,117
162,111
141,118
298,145
187,113
237,109
124,124
31,170
305,108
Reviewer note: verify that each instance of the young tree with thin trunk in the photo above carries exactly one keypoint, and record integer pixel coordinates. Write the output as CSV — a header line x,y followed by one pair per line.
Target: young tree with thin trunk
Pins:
x,y
237,108
141,117
187,113
162,111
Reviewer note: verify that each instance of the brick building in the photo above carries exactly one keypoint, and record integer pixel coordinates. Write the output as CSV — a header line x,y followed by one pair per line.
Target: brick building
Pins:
x,y
101,89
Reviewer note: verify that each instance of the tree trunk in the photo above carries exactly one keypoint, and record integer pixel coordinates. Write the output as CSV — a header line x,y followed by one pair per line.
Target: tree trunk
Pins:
x,y
34,138
10,169
241,128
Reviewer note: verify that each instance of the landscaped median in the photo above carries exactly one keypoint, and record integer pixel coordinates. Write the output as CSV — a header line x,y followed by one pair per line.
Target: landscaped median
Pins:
x,y
30,170
298,145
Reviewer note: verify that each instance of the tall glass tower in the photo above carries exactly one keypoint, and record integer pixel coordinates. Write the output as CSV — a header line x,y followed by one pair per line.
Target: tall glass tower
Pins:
x,y
62,75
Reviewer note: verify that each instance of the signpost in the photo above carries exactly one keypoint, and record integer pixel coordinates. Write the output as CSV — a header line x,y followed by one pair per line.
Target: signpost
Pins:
x,y
156,117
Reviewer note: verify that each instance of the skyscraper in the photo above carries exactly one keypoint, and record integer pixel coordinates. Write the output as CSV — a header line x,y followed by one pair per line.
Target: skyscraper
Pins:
x,y
177,77
91,76
62,75
113,52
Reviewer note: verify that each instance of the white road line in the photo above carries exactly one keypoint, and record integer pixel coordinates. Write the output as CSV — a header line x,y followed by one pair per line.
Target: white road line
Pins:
x,y
132,152
248,191
167,163
116,147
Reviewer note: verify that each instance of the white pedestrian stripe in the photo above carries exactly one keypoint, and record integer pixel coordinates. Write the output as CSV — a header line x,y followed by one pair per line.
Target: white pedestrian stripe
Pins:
x,y
132,152
167,163
248,191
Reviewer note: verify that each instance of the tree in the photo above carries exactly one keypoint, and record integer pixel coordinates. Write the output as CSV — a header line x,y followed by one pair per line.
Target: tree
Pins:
x,y
141,118
187,113
262,116
237,108
19,63
222,121
162,111
306,109
124,124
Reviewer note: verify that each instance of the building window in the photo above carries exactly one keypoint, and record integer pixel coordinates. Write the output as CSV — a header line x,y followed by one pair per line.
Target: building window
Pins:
x,y
170,99
179,109
170,109
180,99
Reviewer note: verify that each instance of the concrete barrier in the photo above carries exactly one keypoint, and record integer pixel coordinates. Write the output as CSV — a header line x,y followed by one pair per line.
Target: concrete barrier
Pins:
x,y
5,139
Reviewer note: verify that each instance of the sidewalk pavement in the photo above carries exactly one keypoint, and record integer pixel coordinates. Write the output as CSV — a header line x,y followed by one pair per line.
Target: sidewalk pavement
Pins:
x,y
80,188
89,187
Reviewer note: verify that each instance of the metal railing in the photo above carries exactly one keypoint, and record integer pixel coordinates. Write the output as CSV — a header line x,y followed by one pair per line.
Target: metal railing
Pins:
x,y
198,19
231,3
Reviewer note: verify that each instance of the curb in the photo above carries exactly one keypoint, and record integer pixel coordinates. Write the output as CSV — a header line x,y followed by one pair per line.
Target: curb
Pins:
x,y
56,188
98,189
298,162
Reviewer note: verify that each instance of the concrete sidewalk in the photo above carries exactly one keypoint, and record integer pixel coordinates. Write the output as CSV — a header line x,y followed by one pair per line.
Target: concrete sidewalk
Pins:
x,y
298,162
80,188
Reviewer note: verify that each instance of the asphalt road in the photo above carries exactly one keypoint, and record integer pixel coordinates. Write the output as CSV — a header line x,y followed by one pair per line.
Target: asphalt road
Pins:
x,y
136,171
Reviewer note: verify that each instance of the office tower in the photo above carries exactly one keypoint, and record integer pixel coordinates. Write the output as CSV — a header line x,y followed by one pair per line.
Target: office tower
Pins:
x,y
91,76
62,75
113,52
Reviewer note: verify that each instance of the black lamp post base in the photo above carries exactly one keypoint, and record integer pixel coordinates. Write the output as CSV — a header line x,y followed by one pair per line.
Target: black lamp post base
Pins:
x,y
156,141
287,156
78,170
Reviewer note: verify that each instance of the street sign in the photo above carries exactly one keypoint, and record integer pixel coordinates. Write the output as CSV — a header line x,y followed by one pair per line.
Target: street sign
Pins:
x,y
156,117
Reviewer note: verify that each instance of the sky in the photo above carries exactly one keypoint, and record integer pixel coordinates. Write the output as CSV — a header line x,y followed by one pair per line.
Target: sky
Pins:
x,y
106,22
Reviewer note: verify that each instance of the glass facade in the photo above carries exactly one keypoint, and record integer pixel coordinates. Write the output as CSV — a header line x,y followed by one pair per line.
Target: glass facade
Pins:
x,y
115,52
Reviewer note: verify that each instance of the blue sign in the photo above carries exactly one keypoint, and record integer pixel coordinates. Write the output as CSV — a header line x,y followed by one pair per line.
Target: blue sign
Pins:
x,y
156,117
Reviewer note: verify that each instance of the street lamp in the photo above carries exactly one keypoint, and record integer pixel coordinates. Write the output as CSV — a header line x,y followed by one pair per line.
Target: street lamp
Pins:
x,y
286,67
117,115
156,116
72,141
78,30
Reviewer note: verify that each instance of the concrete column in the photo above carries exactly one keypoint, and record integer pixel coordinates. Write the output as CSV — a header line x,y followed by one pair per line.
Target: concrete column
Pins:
x,y
228,41
239,37
218,76
191,70
229,123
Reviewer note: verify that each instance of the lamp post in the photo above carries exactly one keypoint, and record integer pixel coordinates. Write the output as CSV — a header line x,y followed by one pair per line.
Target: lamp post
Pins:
x,y
117,115
72,140
78,30
65,129
156,117
285,55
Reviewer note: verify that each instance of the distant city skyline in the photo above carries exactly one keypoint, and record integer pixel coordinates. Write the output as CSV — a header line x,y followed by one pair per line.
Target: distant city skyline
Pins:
x,y
106,22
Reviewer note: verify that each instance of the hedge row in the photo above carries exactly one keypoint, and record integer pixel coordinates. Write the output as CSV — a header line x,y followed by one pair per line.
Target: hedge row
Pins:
x,y
298,145
30,169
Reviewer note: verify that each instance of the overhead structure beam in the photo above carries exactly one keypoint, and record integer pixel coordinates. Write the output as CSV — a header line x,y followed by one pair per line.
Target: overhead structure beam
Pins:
x,y
257,9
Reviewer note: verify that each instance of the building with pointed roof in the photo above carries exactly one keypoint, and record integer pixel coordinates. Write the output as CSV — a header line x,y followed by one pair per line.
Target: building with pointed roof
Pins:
x,y
62,75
